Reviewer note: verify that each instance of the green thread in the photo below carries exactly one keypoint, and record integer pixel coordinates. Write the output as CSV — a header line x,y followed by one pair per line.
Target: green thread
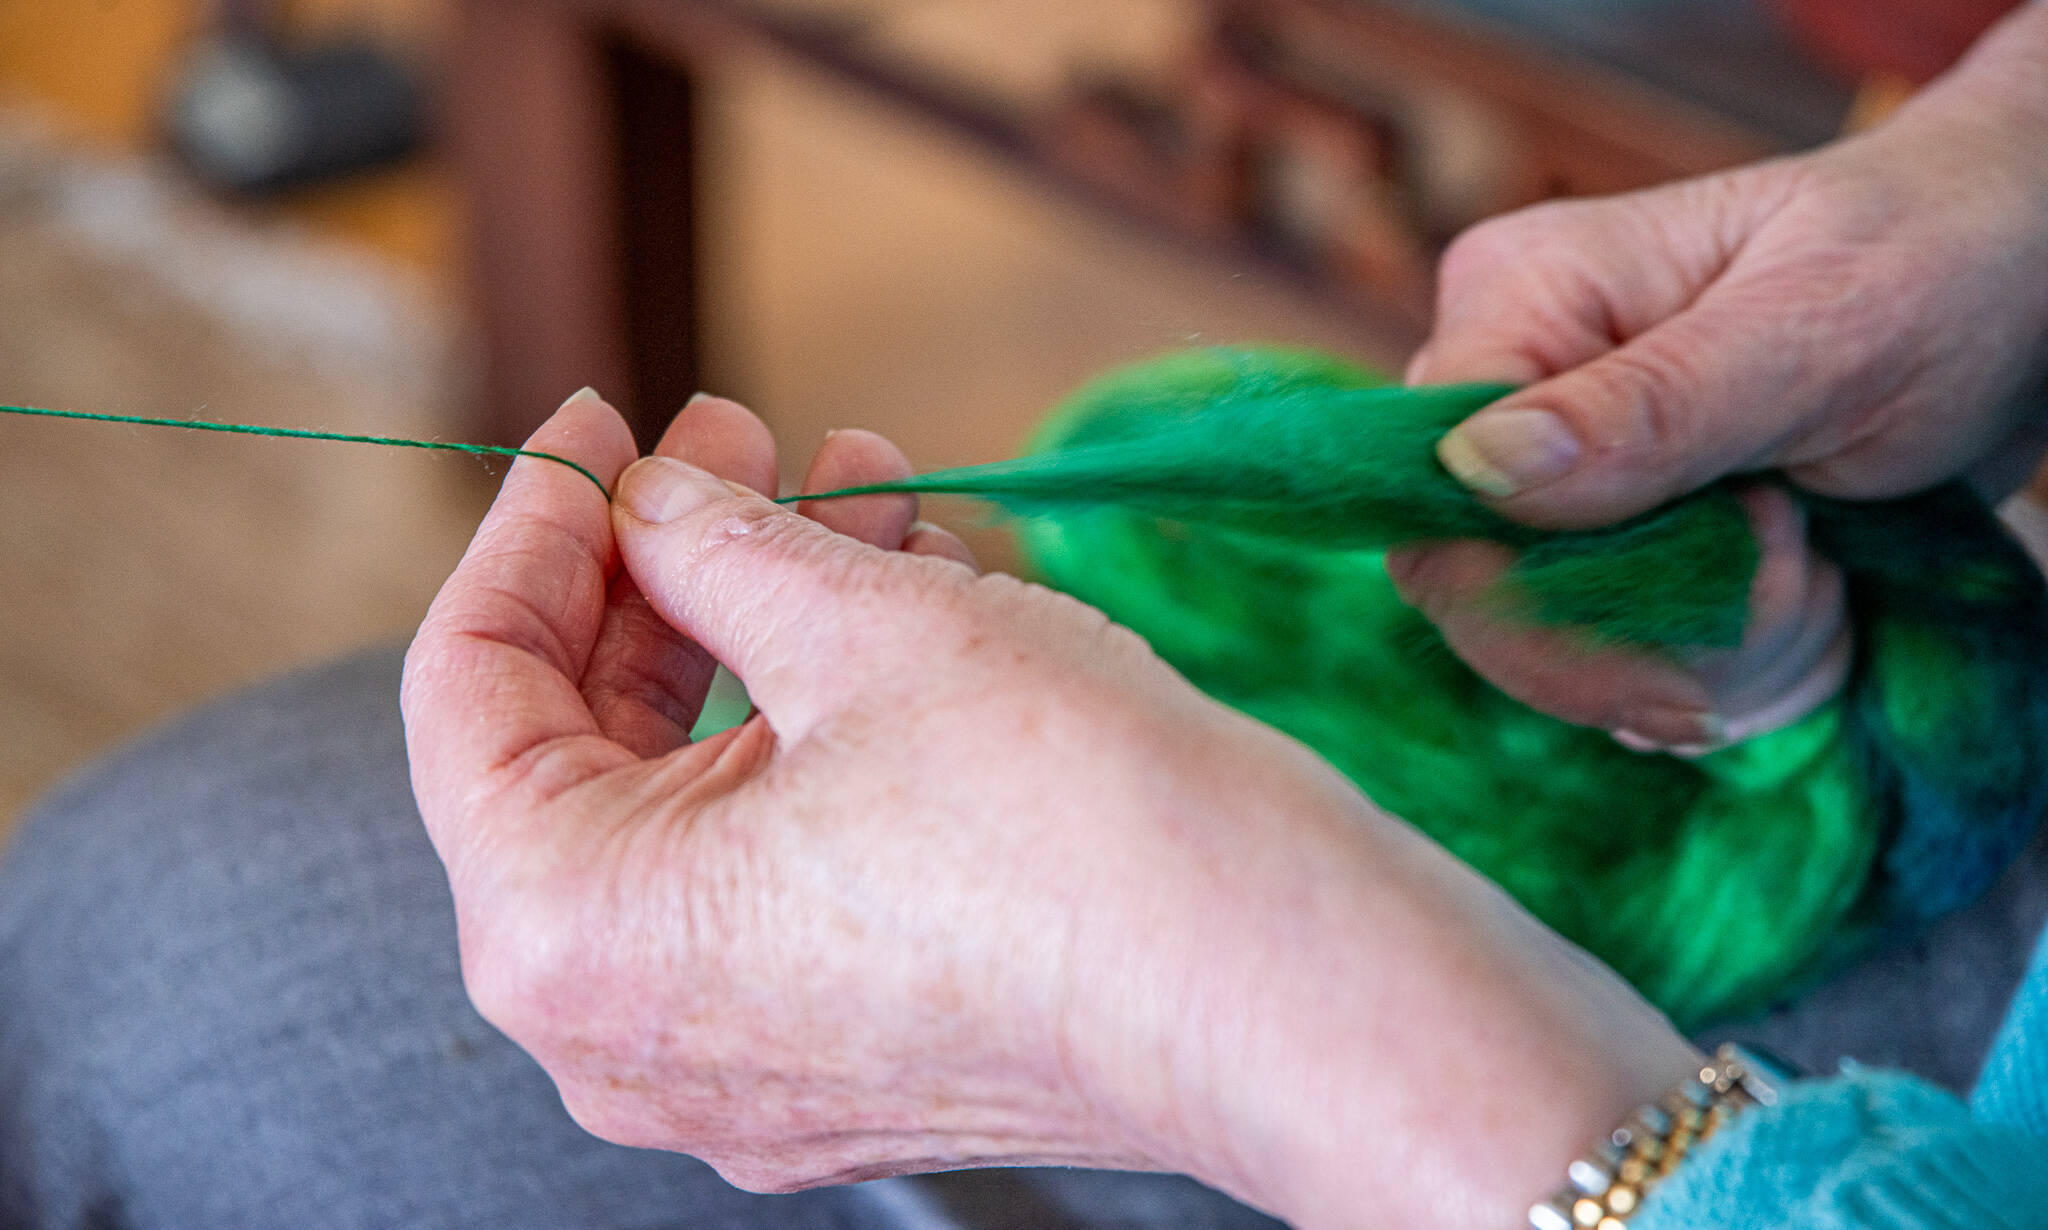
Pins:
x,y
294,433
841,493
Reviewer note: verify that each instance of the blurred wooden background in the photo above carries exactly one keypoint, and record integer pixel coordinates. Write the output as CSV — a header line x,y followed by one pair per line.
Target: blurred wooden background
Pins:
x,y
860,270
100,67
1183,171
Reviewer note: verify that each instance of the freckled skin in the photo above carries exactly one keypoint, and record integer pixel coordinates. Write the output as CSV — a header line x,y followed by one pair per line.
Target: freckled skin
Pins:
x,y
1854,318
986,883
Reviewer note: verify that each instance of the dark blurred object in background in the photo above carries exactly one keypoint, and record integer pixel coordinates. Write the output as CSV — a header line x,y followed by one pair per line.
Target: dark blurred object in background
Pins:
x,y
1351,139
1913,39
253,112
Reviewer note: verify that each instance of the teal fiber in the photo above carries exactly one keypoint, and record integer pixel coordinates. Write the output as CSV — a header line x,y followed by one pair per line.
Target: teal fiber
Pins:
x,y
1948,714
1232,506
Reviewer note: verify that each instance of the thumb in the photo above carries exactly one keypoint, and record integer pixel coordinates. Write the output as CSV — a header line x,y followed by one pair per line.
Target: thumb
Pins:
x,y
793,609
1699,396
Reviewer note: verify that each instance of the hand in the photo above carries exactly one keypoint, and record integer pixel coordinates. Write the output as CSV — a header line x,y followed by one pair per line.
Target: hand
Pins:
x,y
1869,319
1794,655
983,882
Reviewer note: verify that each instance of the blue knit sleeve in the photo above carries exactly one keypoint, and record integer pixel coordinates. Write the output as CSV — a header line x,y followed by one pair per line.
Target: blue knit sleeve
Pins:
x,y
1873,1150
2013,1088
1866,1150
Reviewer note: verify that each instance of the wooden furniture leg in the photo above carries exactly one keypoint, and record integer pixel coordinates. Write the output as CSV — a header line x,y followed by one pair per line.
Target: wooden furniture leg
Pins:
x,y
656,153
575,151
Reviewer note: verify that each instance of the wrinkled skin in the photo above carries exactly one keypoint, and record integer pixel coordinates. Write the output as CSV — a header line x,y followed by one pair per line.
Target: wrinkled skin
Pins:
x,y
983,882
1871,319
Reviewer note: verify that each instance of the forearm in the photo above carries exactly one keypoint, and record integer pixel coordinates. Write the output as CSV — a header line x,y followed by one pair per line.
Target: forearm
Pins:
x,y
1449,1087
2000,86
1967,158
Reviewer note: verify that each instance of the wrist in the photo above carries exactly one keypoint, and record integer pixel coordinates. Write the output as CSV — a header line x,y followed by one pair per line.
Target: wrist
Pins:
x,y
1417,1050
2000,87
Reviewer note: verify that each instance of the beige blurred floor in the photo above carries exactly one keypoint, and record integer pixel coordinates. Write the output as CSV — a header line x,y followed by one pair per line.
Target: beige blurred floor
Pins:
x,y
142,571
865,273
870,273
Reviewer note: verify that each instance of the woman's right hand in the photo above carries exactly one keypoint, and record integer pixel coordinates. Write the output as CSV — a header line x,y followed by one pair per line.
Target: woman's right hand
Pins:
x,y
1870,319
982,882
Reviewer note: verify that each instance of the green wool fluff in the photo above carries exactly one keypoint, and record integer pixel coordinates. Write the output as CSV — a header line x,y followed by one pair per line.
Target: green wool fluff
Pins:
x,y
1232,506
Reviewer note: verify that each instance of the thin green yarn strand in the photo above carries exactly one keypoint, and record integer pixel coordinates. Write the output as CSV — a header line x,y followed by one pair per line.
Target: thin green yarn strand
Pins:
x,y
295,433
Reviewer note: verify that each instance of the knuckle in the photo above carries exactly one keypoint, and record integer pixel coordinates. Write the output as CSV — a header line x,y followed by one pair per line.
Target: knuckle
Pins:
x,y
1547,230
594,1114
1041,614
425,663
608,1117
1112,644
981,606
1002,591
928,599
497,990
1651,394
1530,289
752,1174
746,526
1469,252
1004,636
1483,250
515,972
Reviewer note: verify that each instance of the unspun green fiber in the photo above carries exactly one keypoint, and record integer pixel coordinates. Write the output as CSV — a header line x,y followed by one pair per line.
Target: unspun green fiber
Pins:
x,y
1232,506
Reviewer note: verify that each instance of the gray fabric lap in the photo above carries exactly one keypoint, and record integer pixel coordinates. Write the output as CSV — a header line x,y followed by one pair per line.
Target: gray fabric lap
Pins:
x,y
229,997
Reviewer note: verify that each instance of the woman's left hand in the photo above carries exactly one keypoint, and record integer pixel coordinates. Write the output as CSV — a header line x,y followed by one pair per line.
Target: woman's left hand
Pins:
x,y
1794,654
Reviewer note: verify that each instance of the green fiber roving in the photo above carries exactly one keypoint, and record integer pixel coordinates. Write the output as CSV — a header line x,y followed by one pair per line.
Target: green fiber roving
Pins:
x,y
1231,506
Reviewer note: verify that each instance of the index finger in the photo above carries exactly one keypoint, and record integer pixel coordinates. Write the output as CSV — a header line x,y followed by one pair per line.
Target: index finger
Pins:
x,y
490,696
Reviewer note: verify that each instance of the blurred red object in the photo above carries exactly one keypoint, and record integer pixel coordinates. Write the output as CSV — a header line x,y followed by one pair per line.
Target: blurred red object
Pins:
x,y
1914,39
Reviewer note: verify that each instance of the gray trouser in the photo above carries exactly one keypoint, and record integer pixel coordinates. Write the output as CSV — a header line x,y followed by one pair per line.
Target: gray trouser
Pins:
x,y
229,998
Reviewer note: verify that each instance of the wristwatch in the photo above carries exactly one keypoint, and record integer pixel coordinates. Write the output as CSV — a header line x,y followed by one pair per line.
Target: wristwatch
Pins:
x,y
1606,1185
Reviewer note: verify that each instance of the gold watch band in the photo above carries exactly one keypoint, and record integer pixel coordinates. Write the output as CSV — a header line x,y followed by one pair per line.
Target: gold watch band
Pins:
x,y
1606,1185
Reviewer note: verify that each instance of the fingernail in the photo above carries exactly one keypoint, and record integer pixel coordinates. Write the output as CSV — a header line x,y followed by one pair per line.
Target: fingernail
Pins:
x,y
1401,562
1635,742
582,395
1713,729
1503,452
658,489
695,398
1705,732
